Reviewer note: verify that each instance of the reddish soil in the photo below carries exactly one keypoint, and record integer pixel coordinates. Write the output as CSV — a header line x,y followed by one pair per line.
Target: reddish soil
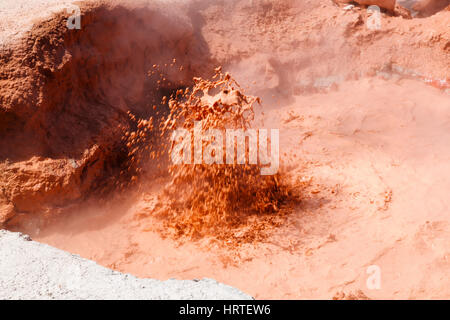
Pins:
x,y
363,118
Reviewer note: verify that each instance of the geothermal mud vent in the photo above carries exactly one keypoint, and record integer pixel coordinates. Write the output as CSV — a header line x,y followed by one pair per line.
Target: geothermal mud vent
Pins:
x,y
85,119
85,116
223,195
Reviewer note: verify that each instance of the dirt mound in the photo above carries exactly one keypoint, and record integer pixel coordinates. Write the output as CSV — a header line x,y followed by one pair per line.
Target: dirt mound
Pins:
x,y
65,92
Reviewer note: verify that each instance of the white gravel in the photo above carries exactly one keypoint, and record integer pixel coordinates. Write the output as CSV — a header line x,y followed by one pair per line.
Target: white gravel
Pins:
x,y
31,270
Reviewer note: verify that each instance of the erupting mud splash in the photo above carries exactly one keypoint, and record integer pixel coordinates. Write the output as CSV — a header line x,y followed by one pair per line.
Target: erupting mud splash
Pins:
x,y
210,199
220,196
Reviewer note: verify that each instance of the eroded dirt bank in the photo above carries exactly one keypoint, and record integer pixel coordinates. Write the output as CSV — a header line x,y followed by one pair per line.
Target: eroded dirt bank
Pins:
x,y
364,111
64,92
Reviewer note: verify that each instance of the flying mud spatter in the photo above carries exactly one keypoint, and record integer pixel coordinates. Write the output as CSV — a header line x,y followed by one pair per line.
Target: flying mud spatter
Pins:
x,y
230,202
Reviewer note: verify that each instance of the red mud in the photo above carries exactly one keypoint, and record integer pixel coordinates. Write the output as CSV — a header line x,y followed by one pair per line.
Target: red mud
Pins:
x,y
369,137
